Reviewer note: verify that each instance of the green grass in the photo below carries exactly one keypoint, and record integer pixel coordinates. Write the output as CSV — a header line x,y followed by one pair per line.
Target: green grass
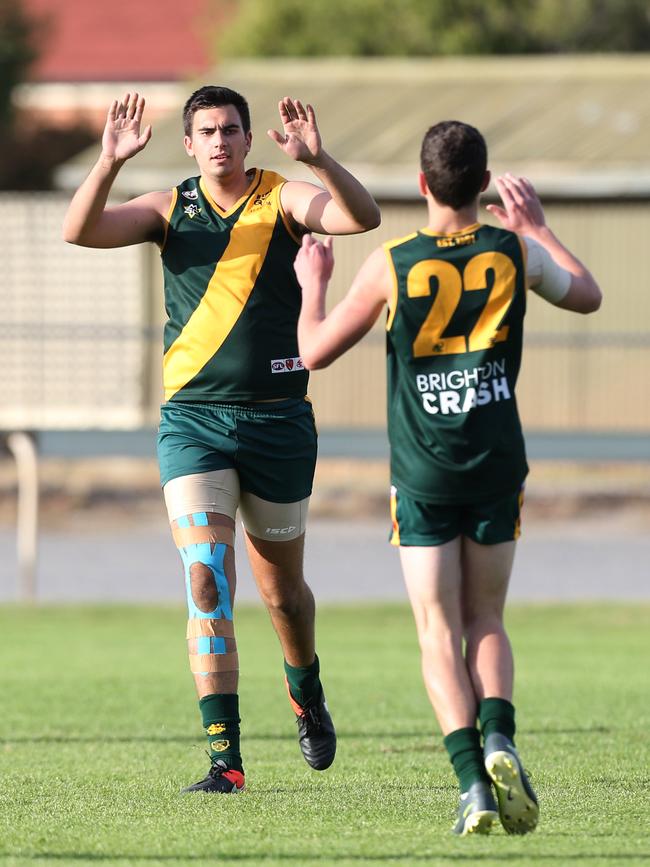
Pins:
x,y
99,729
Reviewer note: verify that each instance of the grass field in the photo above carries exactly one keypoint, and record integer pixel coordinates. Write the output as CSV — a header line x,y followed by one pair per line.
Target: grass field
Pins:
x,y
99,729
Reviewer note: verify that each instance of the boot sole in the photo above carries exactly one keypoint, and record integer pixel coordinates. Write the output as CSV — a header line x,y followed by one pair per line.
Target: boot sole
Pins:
x,y
519,814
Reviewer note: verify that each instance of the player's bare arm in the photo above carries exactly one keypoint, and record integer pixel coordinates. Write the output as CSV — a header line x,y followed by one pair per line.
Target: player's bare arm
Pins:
x,y
323,338
89,222
522,213
345,206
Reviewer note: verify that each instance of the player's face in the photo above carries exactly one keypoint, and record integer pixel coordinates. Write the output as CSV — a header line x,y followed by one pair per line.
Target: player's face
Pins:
x,y
218,142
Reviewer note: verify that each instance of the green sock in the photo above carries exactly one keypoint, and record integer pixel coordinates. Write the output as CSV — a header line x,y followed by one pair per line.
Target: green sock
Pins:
x,y
466,755
497,715
220,716
304,682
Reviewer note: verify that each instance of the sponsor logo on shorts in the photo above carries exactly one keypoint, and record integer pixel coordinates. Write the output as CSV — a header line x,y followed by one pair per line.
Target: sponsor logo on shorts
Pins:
x,y
287,365
279,531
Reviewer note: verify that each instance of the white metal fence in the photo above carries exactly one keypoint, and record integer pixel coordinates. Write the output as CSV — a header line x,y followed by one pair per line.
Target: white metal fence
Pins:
x,y
73,325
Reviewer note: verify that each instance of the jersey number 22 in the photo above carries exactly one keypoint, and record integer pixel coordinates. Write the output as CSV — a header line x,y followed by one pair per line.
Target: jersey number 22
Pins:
x,y
488,329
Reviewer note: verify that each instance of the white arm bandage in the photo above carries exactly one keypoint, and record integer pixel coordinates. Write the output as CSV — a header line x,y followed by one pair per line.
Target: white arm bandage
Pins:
x,y
546,277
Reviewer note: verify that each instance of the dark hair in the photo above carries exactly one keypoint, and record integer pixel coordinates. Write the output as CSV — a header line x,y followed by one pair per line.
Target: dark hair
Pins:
x,y
212,96
453,159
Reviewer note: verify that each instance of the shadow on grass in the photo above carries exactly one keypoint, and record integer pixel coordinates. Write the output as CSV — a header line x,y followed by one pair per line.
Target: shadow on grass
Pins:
x,y
302,858
586,730
308,789
99,739
164,739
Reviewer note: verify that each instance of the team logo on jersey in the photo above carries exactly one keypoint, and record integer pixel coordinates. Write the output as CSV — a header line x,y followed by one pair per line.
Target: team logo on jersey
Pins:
x,y
191,194
286,365
261,199
192,211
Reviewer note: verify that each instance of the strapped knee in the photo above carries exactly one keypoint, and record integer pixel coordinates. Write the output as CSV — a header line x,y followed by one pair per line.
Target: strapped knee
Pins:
x,y
210,631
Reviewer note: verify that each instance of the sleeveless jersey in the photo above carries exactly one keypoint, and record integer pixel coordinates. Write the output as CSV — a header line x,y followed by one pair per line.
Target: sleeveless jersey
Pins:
x,y
454,340
232,297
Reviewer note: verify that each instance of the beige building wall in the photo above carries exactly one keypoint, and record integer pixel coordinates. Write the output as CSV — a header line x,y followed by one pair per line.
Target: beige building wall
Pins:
x,y
579,372
82,329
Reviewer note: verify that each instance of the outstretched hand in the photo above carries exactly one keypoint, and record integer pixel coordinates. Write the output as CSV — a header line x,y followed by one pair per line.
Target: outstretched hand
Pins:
x,y
301,140
314,263
522,212
122,138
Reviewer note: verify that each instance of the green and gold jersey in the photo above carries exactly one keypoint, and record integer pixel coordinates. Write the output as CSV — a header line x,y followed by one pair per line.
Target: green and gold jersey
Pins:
x,y
231,295
454,340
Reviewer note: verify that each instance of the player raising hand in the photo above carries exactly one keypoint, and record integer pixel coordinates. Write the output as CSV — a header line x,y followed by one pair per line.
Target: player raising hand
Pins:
x,y
236,430
456,293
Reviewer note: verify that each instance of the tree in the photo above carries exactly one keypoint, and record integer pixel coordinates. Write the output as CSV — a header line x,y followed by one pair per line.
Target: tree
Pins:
x,y
425,28
17,52
28,153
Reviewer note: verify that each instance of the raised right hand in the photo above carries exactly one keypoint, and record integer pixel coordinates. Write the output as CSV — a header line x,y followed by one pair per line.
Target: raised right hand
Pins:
x,y
122,138
314,263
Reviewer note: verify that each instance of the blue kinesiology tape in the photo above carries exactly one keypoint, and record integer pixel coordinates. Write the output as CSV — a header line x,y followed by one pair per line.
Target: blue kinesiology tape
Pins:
x,y
210,555
210,644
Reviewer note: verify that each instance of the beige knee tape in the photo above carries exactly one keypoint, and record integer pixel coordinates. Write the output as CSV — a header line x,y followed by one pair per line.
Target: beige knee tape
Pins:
x,y
213,533
199,627
214,663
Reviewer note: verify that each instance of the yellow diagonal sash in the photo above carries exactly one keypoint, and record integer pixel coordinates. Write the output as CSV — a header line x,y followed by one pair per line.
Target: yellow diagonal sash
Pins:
x,y
225,297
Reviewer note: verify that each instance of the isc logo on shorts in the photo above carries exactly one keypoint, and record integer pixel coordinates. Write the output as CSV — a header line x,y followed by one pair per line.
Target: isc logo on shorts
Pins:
x,y
279,531
286,365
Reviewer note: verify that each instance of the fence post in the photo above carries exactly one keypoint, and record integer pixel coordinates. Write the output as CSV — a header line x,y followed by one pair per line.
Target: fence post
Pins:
x,y
22,446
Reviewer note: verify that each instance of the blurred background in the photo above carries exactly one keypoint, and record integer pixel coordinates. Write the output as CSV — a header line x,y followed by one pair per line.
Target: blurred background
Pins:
x,y
559,91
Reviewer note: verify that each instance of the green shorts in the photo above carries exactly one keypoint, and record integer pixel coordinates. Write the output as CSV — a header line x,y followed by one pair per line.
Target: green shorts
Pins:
x,y
272,446
430,524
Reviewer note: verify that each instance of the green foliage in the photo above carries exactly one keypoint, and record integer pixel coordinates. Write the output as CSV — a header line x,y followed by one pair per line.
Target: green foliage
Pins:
x,y
100,729
425,28
592,25
17,52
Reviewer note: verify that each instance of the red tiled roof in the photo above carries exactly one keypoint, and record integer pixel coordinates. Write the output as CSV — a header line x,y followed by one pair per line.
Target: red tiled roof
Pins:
x,y
143,40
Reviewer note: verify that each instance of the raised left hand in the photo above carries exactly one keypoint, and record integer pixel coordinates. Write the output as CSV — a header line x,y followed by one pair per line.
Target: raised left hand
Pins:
x,y
522,210
301,140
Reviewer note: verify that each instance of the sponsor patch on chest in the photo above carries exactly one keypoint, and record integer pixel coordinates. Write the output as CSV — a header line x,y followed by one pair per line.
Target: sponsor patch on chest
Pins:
x,y
286,365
